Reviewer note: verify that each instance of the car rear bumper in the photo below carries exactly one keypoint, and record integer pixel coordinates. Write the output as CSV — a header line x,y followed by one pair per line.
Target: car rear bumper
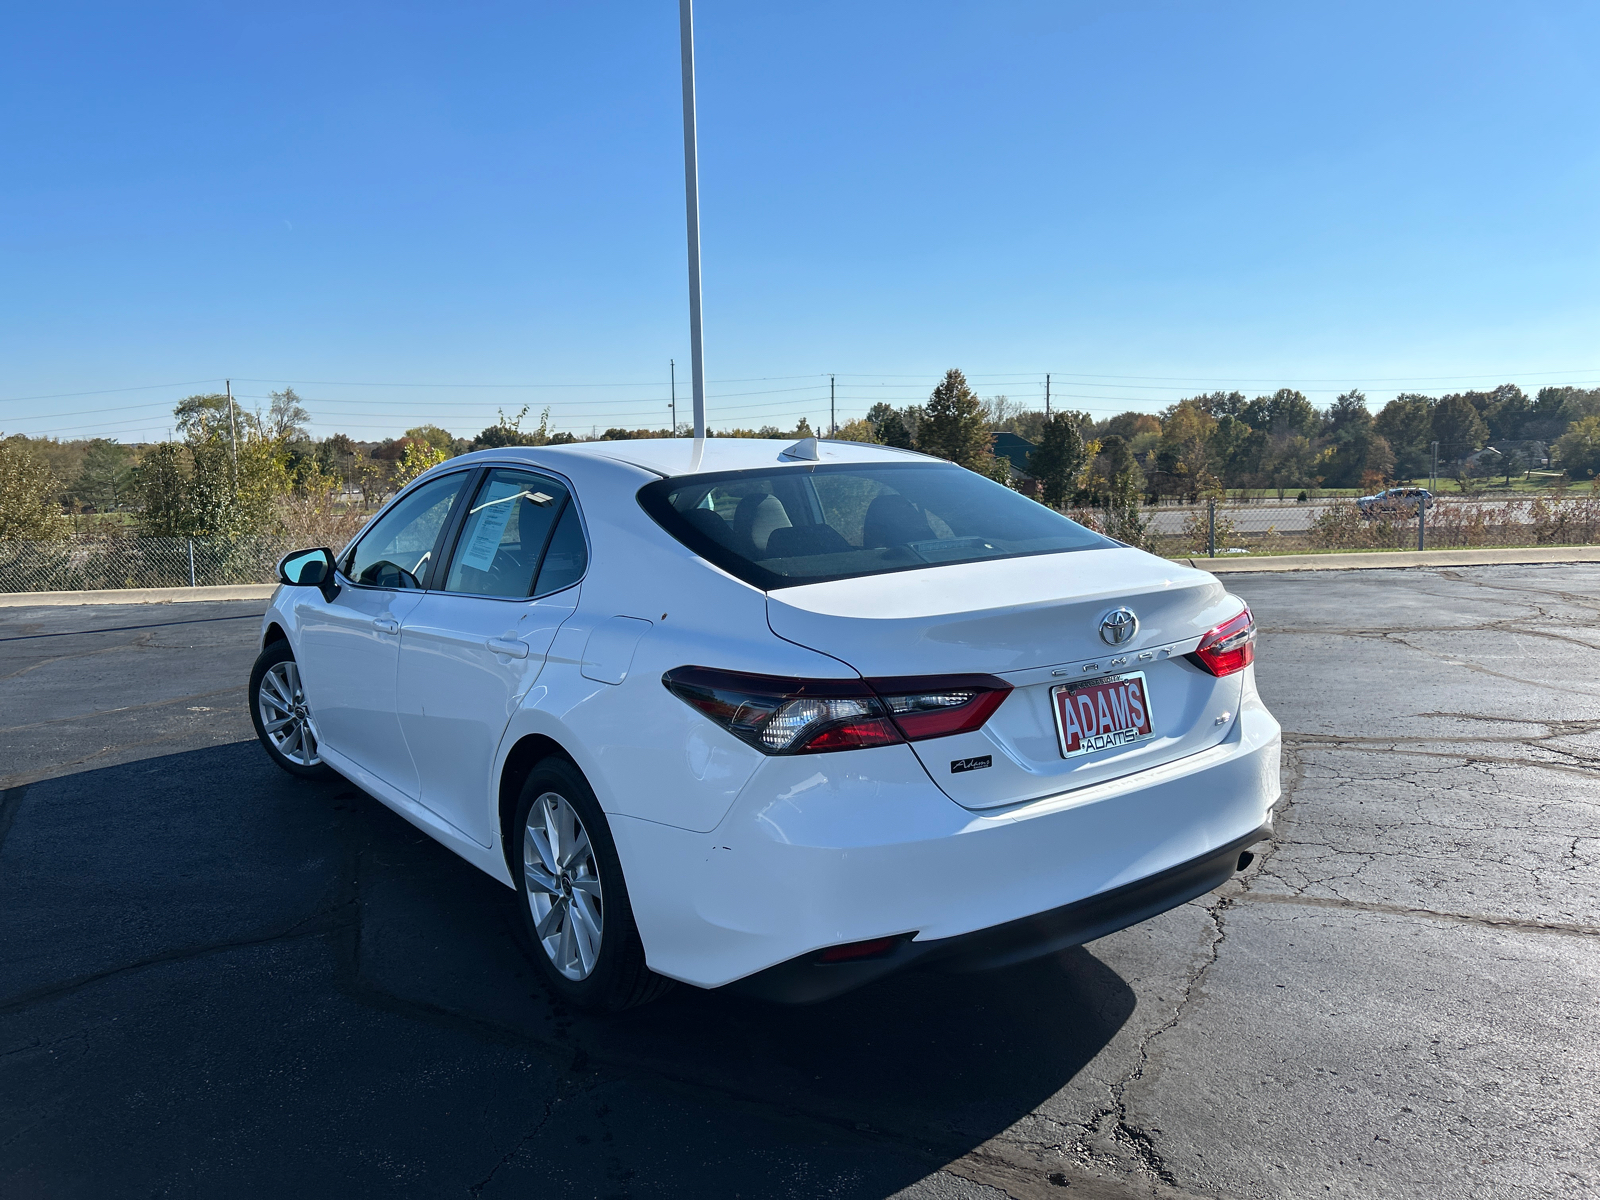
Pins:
x,y
829,849
808,979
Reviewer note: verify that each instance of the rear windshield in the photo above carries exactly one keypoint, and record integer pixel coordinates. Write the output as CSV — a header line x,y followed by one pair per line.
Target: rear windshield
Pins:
x,y
783,527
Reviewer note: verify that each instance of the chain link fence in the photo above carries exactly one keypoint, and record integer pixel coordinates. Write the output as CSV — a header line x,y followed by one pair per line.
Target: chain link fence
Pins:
x,y
1209,529
1333,524
83,563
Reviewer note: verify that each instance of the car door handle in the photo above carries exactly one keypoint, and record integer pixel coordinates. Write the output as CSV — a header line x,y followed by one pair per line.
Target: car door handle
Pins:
x,y
387,624
509,646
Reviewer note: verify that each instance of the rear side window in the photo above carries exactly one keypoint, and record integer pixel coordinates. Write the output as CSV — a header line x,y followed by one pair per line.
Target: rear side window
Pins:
x,y
796,525
509,531
567,557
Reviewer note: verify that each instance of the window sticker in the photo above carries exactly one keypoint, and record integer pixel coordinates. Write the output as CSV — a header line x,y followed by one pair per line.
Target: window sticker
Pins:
x,y
491,514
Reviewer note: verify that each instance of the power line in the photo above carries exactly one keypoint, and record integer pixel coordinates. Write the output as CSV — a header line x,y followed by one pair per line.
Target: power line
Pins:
x,y
143,387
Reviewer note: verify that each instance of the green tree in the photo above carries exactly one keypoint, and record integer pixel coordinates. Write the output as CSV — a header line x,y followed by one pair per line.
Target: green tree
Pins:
x,y
199,414
1406,423
1115,459
232,493
1377,463
160,484
1290,461
287,417
891,431
507,431
339,446
1185,449
1578,449
337,456
1507,413
1235,450
1129,425
419,456
1555,408
107,470
440,439
996,467
1222,404
1347,417
1457,428
878,413
1348,428
1574,403
29,510
1125,519
212,506
855,431
1058,459
1284,413
224,480
952,424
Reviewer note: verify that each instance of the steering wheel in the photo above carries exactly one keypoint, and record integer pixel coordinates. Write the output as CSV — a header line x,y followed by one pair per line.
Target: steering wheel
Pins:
x,y
384,573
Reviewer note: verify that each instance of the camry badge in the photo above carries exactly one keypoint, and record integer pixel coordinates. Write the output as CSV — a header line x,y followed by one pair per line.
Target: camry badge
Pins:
x,y
1118,626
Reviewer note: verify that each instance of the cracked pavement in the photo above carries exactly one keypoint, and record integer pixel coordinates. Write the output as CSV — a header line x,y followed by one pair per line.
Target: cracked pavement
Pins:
x,y
215,978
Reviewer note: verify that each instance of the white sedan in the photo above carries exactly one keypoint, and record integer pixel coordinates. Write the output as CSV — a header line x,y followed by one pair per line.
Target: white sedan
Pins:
x,y
781,718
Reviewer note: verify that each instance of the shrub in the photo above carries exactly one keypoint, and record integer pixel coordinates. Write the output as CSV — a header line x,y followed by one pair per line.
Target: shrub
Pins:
x,y
28,507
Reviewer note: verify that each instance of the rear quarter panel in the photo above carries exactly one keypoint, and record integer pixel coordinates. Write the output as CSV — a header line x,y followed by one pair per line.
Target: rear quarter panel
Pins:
x,y
646,753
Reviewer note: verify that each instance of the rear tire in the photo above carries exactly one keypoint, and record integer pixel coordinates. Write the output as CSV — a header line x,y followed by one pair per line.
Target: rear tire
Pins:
x,y
572,896
283,720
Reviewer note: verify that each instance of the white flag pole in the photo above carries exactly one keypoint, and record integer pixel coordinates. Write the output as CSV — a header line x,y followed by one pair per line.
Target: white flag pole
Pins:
x,y
691,186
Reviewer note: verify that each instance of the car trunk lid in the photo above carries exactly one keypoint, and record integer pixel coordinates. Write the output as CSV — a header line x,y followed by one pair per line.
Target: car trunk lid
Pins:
x,y
1034,622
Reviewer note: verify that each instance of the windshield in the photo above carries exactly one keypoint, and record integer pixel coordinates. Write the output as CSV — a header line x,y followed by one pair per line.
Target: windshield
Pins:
x,y
783,527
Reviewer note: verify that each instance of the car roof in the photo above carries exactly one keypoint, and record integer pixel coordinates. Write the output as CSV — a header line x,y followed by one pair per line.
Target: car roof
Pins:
x,y
670,457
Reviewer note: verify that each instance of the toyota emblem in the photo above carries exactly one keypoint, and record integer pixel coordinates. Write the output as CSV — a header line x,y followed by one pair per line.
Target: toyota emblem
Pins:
x,y
1118,626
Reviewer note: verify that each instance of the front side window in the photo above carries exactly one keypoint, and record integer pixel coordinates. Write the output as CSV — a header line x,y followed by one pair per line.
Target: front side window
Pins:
x,y
788,526
395,551
512,527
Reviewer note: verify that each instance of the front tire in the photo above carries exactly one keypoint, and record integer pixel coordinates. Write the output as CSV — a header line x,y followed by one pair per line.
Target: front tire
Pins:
x,y
573,898
283,720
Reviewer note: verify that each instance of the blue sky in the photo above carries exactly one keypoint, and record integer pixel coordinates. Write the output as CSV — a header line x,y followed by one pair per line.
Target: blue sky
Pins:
x,y
427,211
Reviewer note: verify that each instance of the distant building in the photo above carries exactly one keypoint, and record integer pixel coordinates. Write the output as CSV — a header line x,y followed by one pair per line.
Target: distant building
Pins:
x,y
1015,450
1529,455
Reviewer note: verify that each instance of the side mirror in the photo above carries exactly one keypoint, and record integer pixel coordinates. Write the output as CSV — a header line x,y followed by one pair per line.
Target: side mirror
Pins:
x,y
309,568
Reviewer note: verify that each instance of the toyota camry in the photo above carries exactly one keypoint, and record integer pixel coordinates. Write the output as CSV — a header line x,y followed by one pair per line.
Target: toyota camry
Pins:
x,y
775,718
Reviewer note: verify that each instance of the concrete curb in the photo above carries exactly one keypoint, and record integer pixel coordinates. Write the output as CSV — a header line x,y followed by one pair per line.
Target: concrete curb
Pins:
x,y
1376,560
177,595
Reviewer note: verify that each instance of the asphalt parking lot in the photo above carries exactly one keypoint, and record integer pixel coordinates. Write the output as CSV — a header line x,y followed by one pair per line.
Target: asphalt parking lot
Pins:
x,y
216,979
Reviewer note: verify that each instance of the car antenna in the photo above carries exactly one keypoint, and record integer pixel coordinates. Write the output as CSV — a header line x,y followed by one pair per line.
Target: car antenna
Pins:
x,y
805,448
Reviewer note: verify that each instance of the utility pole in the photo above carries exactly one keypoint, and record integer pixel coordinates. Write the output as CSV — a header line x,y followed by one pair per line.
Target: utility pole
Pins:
x,y
1047,396
691,191
672,365
233,431
833,417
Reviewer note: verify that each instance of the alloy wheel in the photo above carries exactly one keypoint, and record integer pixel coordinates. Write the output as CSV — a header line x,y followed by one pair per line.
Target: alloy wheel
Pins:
x,y
285,716
563,881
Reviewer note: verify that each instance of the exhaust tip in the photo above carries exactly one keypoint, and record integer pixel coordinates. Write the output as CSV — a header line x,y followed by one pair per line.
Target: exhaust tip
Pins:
x,y
1245,860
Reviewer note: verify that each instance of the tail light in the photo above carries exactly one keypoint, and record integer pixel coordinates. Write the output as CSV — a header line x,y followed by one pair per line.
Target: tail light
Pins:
x,y
780,715
1229,647
933,706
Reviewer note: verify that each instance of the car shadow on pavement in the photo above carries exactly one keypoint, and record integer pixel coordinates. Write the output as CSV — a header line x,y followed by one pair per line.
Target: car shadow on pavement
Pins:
x,y
213,976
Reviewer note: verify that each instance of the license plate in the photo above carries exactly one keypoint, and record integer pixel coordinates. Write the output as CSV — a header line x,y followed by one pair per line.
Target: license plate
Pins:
x,y
1112,711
